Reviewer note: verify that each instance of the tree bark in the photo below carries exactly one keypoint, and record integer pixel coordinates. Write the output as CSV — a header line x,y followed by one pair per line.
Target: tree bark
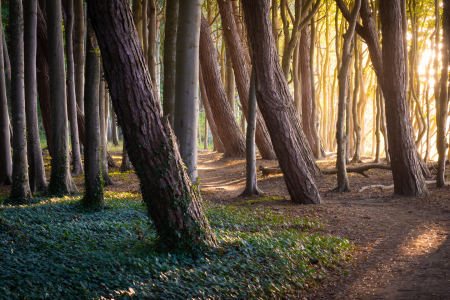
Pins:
x,y
152,39
20,190
115,140
170,42
5,138
317,150
276,104
37,179
356,127
238,53
61,182
172,203
7,64
71,95
79,53
228,128
103,143
137,16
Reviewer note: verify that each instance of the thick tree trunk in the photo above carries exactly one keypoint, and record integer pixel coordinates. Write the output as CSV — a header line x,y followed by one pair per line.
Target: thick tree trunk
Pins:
x,y
186,84
71,96
170,42
20,190
209,116
37,179
61,182
92,177
277,106
172,203
406,170
5,138
238,54
228,128
103,143
79,53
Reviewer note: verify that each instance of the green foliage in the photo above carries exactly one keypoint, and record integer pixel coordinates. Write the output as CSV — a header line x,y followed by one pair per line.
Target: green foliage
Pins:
x,y
53,250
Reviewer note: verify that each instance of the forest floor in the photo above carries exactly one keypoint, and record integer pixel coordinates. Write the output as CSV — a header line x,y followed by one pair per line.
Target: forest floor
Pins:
x,y
402,245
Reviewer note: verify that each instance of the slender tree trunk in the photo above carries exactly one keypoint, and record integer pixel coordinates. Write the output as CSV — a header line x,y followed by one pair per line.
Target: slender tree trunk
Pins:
x,y
5,139
186,84
145,33
172,203
275,24
356,127
152,40
238,54
115,140
277,106
296,79
378,125
231,84
126,164
71,96
442,113
20,190
61,182
228,128
79,53
251,183
7,64
36,171
103,142
314,130
137,16
170,42
93,196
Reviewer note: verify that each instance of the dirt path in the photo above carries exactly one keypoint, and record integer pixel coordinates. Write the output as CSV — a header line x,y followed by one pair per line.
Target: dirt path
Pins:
x,y
403,250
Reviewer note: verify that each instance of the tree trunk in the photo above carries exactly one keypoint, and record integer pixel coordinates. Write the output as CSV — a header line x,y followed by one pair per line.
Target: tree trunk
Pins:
x,y
152,39
115,140
172,203
231,84
442,113
170,42
103,143
408,178
186,84
228,128
20,190
36,171
61,182
314,122
137,16
238,54
378,125
251,183
79,53
71,96
93,196
7,64
277,106
356,127
145,33
5,138
216,138
126,164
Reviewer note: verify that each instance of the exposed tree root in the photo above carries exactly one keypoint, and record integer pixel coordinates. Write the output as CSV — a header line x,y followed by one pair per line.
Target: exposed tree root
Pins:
x,y
386,187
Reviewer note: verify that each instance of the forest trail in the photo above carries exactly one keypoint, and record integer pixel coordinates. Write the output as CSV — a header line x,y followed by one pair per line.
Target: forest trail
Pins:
x,y
403,249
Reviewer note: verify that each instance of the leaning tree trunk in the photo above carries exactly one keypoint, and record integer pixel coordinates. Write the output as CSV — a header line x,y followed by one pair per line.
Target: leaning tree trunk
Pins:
x,y
103,142
172,203
186,84
20,190
61,182
71,95
406,170
93,196
227,126
238,53
79,53
442,112
36,171
276,104
170,42
5,138
341,160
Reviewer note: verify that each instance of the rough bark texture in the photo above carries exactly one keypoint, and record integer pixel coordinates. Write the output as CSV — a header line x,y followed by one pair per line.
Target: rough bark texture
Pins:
x,y
37,179
71,96
79,53
172,203
276,104
60,180
407,175
5,138
227,126
238,54
20,190
92,177
170,42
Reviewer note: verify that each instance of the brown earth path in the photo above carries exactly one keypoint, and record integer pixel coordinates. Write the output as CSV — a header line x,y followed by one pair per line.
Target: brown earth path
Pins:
x,y
403,249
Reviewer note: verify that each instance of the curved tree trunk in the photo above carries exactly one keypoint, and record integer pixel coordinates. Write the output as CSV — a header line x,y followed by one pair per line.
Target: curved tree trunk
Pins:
x,y
5,138
20,190
37,179
170,42
172,203
277,106
79,53
61,182
93,196
238,53
71,96
227,126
